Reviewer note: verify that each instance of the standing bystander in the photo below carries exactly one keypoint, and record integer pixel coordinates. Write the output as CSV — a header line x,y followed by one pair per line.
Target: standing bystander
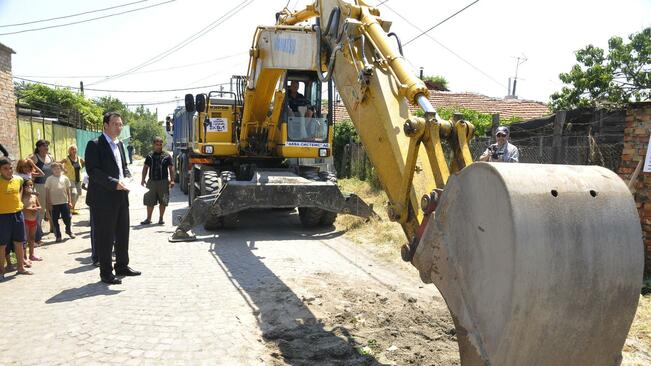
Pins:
x,y
159,165
59,196
43,161
31,206
72,166
12,223
502,151
108,199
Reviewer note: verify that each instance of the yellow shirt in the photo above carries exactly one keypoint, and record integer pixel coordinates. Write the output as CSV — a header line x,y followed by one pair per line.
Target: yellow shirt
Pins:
x,y
58,189
10,195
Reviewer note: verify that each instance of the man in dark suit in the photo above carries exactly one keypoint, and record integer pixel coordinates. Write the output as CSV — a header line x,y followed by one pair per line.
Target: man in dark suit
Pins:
x,y
108,199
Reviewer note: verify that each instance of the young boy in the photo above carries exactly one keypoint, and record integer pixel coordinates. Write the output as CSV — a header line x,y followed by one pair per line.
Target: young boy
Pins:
x,y
31,207
12,223
58,193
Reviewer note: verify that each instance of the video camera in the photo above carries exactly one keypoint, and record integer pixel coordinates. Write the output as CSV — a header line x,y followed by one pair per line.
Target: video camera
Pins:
x,y
496,153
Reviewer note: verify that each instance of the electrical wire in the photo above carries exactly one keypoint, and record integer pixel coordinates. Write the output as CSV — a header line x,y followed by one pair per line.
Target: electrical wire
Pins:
x,y
71,15
183,43
119,91
87,20
138,72
445,47
441,22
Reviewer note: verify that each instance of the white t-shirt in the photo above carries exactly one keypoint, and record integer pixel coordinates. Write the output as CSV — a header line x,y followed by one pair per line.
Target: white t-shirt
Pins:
x,y
58,189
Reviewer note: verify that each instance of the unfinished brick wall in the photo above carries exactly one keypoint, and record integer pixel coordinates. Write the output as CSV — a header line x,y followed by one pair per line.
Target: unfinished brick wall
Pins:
x,y
8,125
636,140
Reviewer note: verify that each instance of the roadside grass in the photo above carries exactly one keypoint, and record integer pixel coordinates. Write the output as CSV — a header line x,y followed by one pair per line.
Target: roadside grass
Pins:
x,y
387,236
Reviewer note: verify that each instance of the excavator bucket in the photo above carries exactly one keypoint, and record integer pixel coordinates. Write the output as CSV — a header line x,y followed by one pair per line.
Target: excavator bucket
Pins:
x,y
538,264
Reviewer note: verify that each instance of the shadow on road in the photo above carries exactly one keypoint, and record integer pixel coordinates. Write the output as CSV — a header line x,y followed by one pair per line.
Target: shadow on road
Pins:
x,y
89,290
282,316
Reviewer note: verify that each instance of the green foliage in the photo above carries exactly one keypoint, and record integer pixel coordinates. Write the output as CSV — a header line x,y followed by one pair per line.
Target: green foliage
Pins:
x,y
646,286
608,80
436,82
344,133
143,132
482,121
53,101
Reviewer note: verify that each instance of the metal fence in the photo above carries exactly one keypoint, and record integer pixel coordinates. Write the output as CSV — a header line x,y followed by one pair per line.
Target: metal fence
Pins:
x,y
576,150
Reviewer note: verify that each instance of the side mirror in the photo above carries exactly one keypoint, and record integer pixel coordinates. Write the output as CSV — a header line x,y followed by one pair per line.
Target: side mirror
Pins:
x,y
189,103
201,103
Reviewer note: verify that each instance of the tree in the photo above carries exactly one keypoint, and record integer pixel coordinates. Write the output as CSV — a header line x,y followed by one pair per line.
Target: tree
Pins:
x,y
60,103
436,83
608,80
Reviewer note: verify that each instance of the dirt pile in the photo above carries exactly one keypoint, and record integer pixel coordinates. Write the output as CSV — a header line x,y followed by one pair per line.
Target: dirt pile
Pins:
x,y
346,325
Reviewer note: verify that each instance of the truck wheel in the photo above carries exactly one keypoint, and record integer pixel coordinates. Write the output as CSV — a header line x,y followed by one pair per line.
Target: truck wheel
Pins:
x,y
192,190
329,217
228,221
184,177
212,182
310,216
176,172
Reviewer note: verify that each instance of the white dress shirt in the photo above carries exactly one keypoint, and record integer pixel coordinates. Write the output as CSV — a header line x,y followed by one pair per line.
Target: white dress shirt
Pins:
x,y
116,152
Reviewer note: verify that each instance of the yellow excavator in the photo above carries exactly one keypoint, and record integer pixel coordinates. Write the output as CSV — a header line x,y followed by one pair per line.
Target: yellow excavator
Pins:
x,y
538,264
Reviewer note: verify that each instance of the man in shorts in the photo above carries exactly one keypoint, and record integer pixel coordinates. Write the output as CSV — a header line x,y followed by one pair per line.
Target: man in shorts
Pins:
x,y
161,171
12,223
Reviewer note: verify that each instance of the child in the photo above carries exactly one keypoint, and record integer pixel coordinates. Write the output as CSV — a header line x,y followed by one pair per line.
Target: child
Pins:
x,y
12,224
26,169
31,206
58,195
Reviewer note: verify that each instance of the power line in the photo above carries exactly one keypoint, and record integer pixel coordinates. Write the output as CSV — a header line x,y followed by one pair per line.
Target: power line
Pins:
x,y
72,15
441,22
119,91
446,48
183,43
139,72
87,20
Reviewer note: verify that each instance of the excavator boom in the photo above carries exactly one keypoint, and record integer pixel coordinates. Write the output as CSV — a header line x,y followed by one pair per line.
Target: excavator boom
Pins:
x,y
538,264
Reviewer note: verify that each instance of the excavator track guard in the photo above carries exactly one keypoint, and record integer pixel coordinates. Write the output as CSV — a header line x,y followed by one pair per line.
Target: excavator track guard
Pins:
x,y
270,189
538,264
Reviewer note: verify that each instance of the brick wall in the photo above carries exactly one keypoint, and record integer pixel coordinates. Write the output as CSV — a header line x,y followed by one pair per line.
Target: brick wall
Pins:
x,y
636,140
8,125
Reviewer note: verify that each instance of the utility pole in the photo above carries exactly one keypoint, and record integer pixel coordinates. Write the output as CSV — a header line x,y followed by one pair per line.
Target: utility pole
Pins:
x,y
519,61
81,87
421,73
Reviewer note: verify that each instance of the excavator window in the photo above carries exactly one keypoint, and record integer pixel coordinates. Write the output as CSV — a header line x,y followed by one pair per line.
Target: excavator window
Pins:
x,y
304,119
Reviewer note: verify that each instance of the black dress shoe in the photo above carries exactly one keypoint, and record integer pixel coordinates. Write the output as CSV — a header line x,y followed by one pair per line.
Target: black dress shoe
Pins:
x,y
111,280
126,271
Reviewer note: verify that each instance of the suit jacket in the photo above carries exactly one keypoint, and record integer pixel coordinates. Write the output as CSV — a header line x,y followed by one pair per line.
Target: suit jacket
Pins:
x,y
103,173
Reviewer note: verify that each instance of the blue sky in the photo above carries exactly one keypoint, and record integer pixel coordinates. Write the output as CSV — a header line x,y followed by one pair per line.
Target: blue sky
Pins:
x,y
487,35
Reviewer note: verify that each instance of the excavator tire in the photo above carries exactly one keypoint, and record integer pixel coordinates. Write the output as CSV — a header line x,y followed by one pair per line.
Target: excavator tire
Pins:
x,y
538,264
210,185
310,216
183,177
228,221
328,218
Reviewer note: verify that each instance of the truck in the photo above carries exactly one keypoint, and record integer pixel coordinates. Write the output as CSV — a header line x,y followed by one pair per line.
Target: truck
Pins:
x,y
538,264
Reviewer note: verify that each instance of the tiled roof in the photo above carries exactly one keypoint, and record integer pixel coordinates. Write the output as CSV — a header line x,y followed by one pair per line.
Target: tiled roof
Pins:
x,y
525,109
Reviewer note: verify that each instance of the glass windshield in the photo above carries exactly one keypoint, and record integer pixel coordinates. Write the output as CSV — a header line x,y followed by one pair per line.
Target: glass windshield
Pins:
x,y
307,129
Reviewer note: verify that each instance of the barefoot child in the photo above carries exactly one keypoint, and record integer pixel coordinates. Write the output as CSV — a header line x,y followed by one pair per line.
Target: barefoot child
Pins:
x,y
12,224
58,195
31,206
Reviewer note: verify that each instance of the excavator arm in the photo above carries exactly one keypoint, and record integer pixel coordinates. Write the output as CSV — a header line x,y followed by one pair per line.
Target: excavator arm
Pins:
x,y
538,264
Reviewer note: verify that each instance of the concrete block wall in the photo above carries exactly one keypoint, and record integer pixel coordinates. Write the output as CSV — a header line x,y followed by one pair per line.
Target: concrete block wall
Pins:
x,y
636,140
8,125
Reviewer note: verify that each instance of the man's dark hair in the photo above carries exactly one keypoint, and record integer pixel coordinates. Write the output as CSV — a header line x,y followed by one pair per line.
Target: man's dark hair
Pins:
x,y
109,115
4,161
157,139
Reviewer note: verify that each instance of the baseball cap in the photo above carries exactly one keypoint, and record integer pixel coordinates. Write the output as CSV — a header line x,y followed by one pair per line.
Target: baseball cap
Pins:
x,y
42,142
502,129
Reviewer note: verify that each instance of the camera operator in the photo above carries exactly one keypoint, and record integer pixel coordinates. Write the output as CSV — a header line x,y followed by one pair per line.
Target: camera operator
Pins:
x,y
502,151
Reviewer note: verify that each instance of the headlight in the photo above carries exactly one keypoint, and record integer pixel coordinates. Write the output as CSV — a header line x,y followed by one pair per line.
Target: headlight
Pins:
x,y
208,149
323,153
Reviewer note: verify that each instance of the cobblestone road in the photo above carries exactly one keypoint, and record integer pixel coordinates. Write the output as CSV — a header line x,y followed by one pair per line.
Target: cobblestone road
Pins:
x,y
203,302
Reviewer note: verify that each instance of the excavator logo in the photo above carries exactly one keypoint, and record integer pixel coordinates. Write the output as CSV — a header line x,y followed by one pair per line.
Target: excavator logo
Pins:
x,y
286,45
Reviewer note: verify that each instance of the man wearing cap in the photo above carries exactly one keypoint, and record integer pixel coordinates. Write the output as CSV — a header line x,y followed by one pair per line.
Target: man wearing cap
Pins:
x,y
502,151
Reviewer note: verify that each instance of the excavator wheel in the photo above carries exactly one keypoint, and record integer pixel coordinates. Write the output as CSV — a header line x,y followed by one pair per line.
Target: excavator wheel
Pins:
x,y
538,264
214,182
310,216
209,185
328,218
